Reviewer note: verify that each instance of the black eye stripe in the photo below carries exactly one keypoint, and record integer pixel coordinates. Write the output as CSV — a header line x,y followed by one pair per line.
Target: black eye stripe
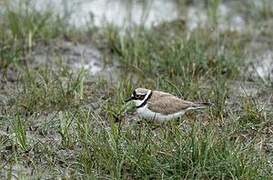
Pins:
x,y
138,97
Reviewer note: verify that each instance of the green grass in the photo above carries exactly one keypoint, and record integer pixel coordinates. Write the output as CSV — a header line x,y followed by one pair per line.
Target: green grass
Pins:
x,y
23,27
46,90
260,11
60,123
140,152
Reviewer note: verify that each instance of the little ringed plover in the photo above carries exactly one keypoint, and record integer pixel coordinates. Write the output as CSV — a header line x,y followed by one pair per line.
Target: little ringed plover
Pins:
x,y
161,106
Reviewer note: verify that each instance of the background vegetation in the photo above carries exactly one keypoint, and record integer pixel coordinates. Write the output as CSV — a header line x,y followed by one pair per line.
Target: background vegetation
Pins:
x,y
61,121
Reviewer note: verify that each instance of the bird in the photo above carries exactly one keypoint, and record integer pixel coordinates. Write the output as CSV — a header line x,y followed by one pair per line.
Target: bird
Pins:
x,y
161,106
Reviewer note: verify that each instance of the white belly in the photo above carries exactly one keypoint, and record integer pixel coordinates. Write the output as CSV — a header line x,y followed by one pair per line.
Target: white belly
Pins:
x,y
145,113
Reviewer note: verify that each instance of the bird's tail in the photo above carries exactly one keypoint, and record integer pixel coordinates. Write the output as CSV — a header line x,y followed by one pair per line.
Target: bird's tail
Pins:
x,y
203,104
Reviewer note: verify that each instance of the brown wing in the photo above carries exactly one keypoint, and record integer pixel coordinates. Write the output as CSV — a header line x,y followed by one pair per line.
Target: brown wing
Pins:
x,y
167,104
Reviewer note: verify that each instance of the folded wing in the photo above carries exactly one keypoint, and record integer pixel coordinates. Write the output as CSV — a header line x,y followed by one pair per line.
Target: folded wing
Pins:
x,y
165,103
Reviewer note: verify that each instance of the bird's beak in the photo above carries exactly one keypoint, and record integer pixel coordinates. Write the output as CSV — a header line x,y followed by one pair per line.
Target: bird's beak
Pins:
x,y
129,99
